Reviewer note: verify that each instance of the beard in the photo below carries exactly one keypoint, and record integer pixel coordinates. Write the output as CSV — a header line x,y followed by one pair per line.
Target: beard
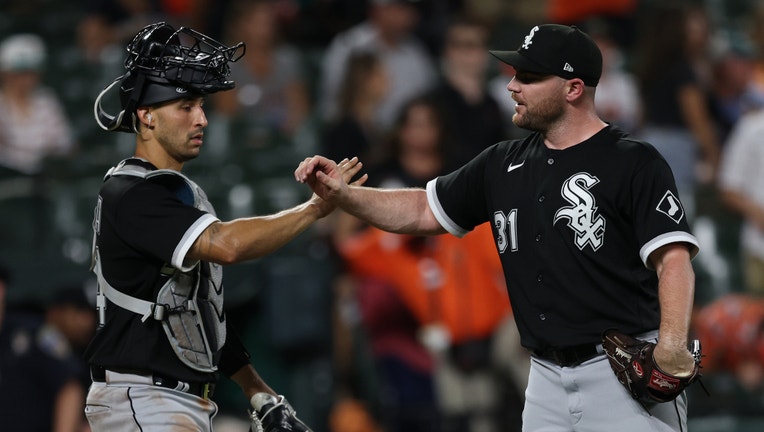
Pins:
x,y
541,116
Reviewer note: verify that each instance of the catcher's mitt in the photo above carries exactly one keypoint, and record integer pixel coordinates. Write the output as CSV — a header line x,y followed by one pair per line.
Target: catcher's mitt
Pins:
x,y
274,414
632,361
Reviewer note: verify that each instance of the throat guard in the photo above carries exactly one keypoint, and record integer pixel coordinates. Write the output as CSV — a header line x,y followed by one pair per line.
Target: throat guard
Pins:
x,y
190,304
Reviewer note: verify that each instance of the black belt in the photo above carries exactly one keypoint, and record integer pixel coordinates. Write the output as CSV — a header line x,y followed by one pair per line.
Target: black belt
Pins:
x,y
203,390
571,356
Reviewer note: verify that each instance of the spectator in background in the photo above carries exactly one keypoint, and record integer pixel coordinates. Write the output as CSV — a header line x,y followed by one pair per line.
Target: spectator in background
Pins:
x,y
70,319
755,27
741,186
734,92
732,331
109,24
270,87
33,128
406,399
388,32
33,124
617,97
354,132
472,115
40,388
674,39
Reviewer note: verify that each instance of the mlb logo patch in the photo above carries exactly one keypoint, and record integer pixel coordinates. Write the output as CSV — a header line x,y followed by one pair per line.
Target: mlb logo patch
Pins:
x,y
671,207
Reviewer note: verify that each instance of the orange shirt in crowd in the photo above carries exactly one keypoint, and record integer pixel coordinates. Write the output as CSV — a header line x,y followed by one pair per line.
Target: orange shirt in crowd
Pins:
x,y
457,282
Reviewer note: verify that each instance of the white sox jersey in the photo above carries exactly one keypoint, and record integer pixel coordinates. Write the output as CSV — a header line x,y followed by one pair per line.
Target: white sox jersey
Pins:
x,y
143,226
574,229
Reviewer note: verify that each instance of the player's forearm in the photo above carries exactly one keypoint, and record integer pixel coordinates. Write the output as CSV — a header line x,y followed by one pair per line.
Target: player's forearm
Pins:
x,y
675,293
250,382
402,211
250,238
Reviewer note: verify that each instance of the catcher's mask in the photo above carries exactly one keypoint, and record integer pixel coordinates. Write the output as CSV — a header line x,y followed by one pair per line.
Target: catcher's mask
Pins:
x,y
164,64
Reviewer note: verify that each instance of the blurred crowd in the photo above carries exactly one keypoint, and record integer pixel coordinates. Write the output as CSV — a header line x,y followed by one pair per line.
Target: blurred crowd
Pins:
x,y
369,331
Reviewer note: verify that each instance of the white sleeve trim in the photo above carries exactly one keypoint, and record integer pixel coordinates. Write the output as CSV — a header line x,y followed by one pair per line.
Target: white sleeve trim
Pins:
x,y
193,232
445,221
667,238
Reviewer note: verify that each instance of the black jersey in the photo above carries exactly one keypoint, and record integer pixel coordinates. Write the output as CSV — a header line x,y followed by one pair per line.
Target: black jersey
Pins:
x,y
573,228
142,226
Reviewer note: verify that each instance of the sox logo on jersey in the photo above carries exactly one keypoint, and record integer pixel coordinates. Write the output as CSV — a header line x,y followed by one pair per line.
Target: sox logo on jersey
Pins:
x,y
582,214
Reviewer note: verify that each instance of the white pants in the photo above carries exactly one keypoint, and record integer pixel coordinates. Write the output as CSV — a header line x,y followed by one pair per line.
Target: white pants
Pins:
x,y
128,403
589,398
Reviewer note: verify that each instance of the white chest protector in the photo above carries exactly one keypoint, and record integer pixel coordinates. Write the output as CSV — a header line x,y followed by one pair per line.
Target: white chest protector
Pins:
x,y
190,304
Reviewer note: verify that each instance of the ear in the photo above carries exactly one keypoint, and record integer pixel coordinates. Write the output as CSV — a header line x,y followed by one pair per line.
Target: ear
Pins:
x,y
575,89
144,116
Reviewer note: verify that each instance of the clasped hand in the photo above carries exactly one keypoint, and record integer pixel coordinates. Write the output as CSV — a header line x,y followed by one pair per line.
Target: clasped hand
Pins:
x,y
325,178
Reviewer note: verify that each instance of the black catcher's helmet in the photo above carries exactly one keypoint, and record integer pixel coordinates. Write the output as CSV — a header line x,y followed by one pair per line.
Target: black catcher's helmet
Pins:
x,y
164,64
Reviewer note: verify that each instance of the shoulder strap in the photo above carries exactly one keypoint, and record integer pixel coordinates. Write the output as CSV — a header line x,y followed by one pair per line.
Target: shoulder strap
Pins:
x,y
142,307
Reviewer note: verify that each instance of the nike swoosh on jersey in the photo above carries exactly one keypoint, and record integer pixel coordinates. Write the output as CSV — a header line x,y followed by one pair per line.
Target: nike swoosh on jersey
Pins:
x,y
514,167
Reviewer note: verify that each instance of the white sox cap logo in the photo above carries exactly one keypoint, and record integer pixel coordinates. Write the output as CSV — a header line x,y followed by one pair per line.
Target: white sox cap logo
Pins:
x,y
529,39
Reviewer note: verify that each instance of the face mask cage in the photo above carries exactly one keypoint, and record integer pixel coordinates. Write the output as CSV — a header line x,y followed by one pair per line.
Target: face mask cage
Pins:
x,y
182,57
162,55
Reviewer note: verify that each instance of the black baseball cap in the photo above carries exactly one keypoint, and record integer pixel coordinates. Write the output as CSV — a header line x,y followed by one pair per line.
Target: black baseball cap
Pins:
x,y
159,93
560,50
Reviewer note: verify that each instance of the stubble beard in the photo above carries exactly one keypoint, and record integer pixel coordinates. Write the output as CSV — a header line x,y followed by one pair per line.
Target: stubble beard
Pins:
x,y
545,113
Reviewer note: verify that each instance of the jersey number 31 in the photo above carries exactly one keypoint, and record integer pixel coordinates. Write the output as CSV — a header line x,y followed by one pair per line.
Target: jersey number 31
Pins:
x,y
506,230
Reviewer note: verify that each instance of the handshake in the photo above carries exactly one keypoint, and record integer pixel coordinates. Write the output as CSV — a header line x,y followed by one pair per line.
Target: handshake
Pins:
x,y
274,414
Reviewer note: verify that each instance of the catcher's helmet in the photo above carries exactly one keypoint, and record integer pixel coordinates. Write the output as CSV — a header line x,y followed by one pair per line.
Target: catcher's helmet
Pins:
x,y
165,64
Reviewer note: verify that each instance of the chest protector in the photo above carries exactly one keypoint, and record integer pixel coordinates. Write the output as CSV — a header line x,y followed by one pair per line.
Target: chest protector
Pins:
x,y
190,304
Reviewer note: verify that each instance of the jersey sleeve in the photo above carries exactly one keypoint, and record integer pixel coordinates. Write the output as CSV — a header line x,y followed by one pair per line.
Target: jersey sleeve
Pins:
x,y
660,218
156,222
458,199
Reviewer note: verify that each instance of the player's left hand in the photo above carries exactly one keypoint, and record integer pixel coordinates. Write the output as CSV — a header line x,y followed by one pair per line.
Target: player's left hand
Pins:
x,y
674,360
274,414
635,365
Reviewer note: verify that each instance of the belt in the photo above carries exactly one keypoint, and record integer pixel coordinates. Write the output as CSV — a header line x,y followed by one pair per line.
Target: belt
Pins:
x,y
575,355
203,390
570,356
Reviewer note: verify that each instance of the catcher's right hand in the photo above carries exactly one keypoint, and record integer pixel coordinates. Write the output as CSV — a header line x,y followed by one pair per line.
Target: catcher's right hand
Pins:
x,y
632,361
274,414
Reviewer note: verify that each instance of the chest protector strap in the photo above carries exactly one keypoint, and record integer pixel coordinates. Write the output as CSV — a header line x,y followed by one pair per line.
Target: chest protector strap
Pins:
x,y
190,304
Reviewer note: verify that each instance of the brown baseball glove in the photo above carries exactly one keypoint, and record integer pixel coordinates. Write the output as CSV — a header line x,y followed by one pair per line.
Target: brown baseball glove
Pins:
x,y
632,361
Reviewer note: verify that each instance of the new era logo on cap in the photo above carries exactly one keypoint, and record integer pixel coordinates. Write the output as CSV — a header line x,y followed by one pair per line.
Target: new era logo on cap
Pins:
x,y
560,50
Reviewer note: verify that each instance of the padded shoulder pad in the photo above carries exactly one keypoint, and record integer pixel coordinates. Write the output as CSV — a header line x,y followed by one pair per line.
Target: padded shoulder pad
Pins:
x,y
180,185
176,183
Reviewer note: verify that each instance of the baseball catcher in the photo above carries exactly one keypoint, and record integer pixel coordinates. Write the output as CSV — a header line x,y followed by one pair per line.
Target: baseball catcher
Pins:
x,y
632,361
